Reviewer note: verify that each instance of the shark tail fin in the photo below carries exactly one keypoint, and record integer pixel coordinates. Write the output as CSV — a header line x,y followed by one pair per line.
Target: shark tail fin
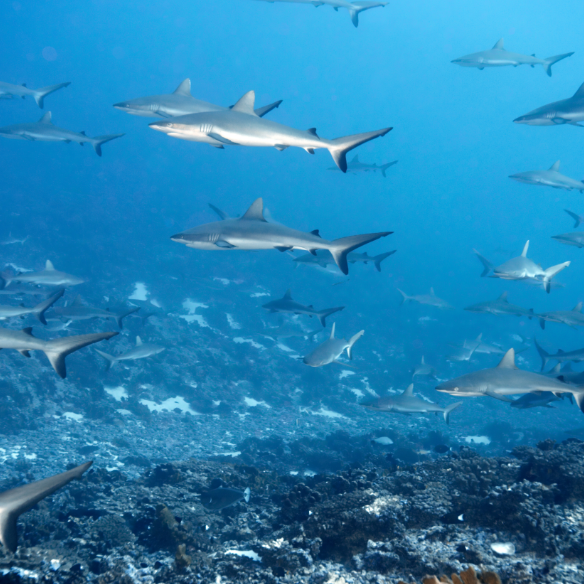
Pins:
x,y
340,146
57,349
547,63
120,317
352,341
405,297
449,410
40,94
340,248
99,140
577,218
262,111
550,273
379,258
324,313
40,309
384,167
545,356
222,214
358,7
487,265
110,359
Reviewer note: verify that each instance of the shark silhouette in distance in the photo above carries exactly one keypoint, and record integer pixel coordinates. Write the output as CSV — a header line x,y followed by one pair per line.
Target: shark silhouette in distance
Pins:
x,y
38,311
140,351
45,131
426,299
241,126
288,304
501,307
178,103
575,238
15,502
499,57
253,232
521,268
47,277
356,166
424,370
330,351
8,91
566,111
549,178
78,311
323,258
572,317
576,356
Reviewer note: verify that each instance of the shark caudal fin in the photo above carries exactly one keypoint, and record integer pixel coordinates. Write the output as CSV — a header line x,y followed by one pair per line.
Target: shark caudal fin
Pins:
x,y
15,502
109,359
547,63
40,309
545,356
384,167
262,111
487,265
340,248
40,94
379,258
358,7
405,297
449,410
99,140
327,312
120,316
57,349
5,279
577,218
340,146
352,341
550,273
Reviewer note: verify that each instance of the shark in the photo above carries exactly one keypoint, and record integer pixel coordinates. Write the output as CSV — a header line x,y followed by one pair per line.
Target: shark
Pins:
x,y
501,307
15,502
241,126
408,403
506,379
466,352
354,166
427,299
8,91
549,178
288,304
78,311
560,356
45,131
331,350
499,57
537,399
578,219
253,232
566,111
140,351
284,331
521,268
566,374
178,103
572,317
355,8
56,350
424,370
14,240
575,238
47,277
484,348
38,311
323,258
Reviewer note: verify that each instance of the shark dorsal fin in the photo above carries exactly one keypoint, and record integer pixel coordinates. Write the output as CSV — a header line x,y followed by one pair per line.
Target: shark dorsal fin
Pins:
x,y
184,88
432,292
525,248
503,297
27,330
138,342
577,308
555,166
288,294
409,391
246,104
500,44
46,119
508,361
255,212
333,331
580,92
77,301
312,131
479,338
556,369
49,266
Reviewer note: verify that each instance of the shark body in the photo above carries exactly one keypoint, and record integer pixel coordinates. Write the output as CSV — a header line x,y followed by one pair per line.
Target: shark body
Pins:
x,y
330,351
575,239
426,299
549,178
355,166
47,277
288,304
78,311
8,91
140,351
500,307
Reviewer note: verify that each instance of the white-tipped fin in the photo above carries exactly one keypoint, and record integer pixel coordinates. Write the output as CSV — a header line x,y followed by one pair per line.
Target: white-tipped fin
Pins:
x,y
555,166
500,44
333,331
246,104
184,88
525,249
508,361
255,212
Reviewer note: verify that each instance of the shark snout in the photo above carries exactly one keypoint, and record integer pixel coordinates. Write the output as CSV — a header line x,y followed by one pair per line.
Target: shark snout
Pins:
x,y
123,105
161,126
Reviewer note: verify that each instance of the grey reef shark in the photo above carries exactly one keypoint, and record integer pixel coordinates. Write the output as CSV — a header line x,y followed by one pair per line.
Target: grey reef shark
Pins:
x,y
253,232
549,178
426,299
45,131
572,317
8,91
331,350
499,57
47,277
500,307
178,103
140,351
576,238
355,166
323,258
288,304
561,356
241,126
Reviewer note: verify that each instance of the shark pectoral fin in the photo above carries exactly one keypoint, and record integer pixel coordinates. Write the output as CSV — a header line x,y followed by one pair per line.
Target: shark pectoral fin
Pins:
x,y
218,146
344,364
498,396
221,139
224,244
280,147
282,248
25,353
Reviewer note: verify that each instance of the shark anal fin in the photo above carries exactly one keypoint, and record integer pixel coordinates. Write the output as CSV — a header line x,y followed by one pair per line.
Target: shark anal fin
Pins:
x,y
280,147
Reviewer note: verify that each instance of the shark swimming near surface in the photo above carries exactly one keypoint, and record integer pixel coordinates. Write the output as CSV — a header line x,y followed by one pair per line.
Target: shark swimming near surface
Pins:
x,y
15,502
288,304
355,166
324,258
253,232
78,311
8,91
408,403
331,350
178,103
38,311
241,126
426,299
549,178
499,57
575,238
500,307
45,131
47,277
140,351
521,268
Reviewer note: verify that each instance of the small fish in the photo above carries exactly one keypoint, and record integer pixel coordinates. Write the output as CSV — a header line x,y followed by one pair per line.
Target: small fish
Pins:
x,y
222,497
